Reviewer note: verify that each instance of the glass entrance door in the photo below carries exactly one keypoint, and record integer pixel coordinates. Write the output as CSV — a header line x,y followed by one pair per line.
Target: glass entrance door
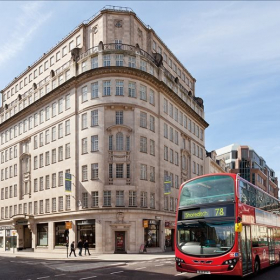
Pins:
x,y
120,242
246,250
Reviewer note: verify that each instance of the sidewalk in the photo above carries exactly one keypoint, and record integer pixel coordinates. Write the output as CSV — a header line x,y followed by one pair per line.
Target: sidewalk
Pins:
x,y
92,257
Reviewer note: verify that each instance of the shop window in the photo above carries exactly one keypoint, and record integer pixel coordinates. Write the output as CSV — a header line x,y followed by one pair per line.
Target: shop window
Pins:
x,y
42,235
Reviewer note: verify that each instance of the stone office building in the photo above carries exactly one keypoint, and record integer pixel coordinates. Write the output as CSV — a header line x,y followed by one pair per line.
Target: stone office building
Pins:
x,y
111,111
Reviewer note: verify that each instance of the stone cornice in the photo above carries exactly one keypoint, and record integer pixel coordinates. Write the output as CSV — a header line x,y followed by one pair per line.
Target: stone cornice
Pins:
x,y
115,71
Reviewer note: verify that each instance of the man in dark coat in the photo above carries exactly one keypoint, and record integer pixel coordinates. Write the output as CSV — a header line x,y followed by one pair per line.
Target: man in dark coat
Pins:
x,y
86,245
72,247
80,246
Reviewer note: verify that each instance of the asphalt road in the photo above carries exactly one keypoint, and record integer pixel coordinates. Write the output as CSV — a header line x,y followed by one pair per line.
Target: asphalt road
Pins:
x,y
76,269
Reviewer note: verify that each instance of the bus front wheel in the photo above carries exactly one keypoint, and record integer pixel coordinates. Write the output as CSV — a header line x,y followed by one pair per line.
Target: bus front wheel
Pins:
x,y
256,266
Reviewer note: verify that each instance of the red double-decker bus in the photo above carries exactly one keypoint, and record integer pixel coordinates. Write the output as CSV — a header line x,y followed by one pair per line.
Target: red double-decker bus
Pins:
x,y
226,225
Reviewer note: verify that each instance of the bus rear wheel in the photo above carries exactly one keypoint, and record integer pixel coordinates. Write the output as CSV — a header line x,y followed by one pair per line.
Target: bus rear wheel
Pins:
x,y
256,266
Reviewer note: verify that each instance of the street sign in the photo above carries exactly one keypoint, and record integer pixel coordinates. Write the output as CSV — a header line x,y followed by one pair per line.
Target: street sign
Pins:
x,y
68,225
68,182
145,223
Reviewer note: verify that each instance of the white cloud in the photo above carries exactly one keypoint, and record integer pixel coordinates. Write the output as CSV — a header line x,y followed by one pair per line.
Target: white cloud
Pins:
x,y
32,16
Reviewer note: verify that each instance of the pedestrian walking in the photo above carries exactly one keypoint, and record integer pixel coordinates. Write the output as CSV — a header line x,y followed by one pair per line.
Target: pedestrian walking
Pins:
x,y
86,245
80,246
72,247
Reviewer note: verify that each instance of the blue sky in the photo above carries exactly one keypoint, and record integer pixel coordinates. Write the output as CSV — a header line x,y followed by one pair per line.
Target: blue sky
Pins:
x,y
231,48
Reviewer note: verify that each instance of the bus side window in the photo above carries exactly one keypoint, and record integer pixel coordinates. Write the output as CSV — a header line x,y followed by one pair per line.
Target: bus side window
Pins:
x,y
244,194
252,195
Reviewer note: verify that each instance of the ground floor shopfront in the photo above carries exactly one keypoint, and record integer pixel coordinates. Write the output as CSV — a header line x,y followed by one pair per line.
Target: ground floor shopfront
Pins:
x,y
114,231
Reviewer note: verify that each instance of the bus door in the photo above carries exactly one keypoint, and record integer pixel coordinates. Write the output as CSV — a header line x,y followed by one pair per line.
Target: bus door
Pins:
x,y
246,250
271,246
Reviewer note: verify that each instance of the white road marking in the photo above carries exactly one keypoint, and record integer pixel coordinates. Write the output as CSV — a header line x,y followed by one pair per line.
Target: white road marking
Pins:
x,y
140,268
44,277
88,277
116,272
159,265
59,275
180,274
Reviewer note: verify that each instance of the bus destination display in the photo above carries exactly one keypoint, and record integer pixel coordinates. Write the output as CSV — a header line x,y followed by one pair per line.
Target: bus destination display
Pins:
x,y
204,213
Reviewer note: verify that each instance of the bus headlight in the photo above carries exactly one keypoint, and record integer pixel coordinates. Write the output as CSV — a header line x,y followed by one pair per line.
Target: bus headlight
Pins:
x,y
231,263
179,261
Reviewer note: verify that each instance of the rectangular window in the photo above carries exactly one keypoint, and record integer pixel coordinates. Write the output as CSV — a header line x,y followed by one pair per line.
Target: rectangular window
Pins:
x,y
54,180
94,143
131,89
143,92
35,185
119,88
119,59
85,200
143,65
53,109
84,145
106,60
94,196
107,198
41,184
94,62
60,178
67,101
143,172
152,97
152,174
84,173
41,206
94,118
132,199
47,183
143,119
119,170
152,201
84,120
143,144
165,153
119,198
152,123
106,88
53,204
94,90
67,202
47,206
94,171
144,198
47,158
132,61
67,127
165,130
84,94
119,117
60,106
67,150
53,155
60,153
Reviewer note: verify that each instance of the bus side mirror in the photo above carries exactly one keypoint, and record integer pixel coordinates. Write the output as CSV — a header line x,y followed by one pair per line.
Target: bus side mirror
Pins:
x,y
238,227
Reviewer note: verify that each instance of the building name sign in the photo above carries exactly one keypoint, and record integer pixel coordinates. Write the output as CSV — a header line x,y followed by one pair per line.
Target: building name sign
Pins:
x,y
22,222
6,227
86,222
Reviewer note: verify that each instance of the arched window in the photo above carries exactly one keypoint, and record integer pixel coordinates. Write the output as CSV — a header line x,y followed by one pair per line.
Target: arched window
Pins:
x,y
119,141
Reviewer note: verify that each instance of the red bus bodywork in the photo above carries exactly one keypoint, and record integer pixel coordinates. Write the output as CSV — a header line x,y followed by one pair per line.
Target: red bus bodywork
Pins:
x,y
263,255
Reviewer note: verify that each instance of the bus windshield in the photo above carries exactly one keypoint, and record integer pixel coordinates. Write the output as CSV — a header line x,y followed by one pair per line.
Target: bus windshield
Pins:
x,y
207,190
205,238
